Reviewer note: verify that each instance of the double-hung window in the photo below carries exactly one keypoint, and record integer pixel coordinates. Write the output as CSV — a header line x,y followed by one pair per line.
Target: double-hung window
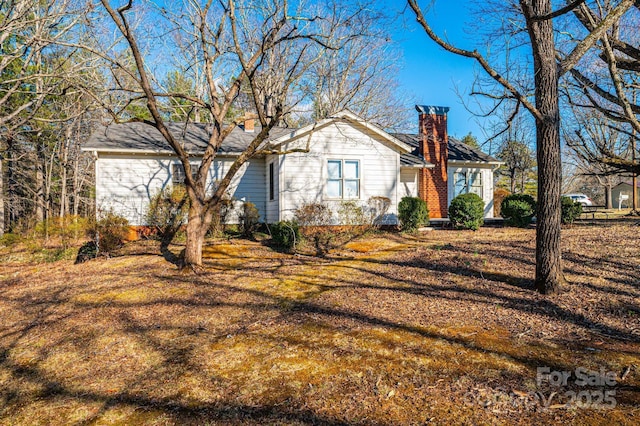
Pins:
x,y
178,175
467,181
343,179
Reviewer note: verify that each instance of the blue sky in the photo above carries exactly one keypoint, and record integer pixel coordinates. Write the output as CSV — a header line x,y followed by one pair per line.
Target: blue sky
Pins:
x,y
431,75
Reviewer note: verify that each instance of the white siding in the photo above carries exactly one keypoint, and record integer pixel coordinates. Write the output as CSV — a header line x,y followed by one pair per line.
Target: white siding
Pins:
x,y
273,206
487,184
408,183
304,175
126,183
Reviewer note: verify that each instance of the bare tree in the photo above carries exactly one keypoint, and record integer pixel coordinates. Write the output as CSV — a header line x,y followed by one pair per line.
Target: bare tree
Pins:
x,y
34,74
259,48
519,161
590,137
360,77
609,85
549,65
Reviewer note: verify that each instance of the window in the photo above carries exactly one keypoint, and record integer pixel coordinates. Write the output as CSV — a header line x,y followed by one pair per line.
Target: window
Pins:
x,y
343,179
271,183
467,182
178,175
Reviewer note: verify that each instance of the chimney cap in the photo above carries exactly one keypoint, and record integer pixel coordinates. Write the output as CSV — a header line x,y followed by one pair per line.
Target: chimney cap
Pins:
x,y
432,110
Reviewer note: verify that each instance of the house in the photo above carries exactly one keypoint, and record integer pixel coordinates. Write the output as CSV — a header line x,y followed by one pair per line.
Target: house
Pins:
x,y
339,159
621,194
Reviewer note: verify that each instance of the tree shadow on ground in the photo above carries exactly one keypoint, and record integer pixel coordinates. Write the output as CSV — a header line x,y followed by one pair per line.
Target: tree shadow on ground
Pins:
x,y
201,315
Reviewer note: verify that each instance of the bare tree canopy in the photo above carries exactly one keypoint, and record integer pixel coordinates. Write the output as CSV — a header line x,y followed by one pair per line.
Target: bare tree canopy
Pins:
x,y
607,85
238,57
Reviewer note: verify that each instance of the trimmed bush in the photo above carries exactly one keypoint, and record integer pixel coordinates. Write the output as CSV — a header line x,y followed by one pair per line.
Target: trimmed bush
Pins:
x,y
285,234
467,211
413,213
518,209
570,210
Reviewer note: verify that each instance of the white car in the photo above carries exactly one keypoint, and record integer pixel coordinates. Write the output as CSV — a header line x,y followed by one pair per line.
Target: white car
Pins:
x,y
580,198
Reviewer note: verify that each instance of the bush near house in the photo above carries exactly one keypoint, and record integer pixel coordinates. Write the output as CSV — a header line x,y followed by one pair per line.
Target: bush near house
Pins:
x,y
570,210
413,213
285,235
518,209
467,211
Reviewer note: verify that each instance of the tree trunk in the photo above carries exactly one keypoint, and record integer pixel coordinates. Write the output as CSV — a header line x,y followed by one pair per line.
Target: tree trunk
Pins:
x,y
197,227
608,200
63,173
39,193
1,198
549,277
11,186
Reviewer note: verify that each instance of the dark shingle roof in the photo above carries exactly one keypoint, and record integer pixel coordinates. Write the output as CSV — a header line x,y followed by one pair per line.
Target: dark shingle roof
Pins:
x,y
458,151
412,160
194,137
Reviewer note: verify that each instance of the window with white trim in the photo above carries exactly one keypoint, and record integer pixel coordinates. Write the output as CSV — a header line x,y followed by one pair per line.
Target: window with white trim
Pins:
x,y
178,175
343,179
467,181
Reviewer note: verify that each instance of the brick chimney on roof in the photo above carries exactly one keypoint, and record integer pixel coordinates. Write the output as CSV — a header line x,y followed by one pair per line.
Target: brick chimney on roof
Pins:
x,y
249,123
433,185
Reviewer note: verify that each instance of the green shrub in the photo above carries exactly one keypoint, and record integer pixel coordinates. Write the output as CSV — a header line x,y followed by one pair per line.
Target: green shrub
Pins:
x,y
570,210
467,211
413,213
168,211
88,251
110,232
285,234
249,219
9,239
518,209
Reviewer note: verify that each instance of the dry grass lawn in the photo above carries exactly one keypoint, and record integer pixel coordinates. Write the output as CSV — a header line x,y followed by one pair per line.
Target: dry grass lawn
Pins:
x,y
443,327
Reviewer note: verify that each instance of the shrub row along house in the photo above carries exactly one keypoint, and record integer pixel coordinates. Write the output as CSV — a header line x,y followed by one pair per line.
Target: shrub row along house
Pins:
x,y
340,159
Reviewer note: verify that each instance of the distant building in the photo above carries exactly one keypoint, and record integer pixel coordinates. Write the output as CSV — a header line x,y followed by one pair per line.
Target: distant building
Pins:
x,y
621,194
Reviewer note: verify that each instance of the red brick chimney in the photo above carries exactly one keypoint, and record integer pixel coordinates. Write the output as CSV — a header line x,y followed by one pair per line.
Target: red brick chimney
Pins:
x,y
434,141
249,123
